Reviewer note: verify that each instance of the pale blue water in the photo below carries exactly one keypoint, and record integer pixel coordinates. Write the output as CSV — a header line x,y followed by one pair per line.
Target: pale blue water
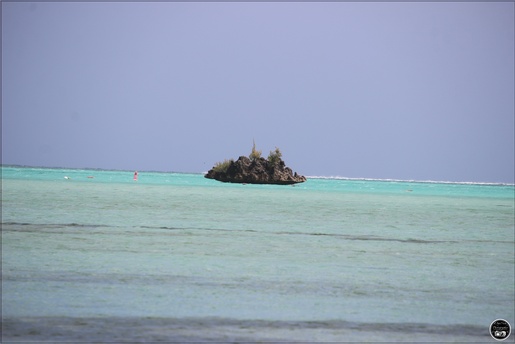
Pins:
x,y
180,246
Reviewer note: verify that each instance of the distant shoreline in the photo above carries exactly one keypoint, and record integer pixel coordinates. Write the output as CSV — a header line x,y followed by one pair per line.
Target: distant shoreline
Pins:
x,y
94,169
308,177
411,181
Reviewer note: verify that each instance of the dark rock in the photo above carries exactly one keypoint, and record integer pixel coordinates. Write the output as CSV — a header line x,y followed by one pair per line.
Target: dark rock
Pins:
x,y
257,171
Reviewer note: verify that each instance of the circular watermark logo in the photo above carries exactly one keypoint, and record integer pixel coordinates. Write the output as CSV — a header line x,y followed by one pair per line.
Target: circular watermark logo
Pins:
x,y
500,329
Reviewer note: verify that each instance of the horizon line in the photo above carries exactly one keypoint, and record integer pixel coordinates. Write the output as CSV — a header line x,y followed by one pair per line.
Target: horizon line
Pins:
x,y
307,177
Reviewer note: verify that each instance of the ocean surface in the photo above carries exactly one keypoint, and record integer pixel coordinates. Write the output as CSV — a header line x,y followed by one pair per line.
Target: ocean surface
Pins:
x,y
92,255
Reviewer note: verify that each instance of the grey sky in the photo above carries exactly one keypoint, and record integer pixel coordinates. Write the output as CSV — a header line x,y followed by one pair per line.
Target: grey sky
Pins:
x,y
375,90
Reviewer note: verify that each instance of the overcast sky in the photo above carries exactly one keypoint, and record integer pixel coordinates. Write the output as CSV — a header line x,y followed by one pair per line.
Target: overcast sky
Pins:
x,y
397,90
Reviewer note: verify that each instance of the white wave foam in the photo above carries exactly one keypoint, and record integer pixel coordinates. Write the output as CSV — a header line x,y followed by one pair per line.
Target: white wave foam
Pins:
x,y
409,181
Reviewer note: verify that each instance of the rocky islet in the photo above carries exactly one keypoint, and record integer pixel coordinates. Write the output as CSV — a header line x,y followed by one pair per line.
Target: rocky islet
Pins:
x,y
256,171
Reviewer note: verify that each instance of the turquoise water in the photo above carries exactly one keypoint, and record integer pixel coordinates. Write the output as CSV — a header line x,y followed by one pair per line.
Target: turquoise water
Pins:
x,y
172,245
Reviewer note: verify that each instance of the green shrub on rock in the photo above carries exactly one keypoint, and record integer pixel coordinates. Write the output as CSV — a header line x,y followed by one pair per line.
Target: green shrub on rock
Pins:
x,y
255,154
275,156
223,166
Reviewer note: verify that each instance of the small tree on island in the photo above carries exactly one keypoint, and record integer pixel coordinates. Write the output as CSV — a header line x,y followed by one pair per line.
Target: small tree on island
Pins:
x,y
255,154
275,156
223,166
